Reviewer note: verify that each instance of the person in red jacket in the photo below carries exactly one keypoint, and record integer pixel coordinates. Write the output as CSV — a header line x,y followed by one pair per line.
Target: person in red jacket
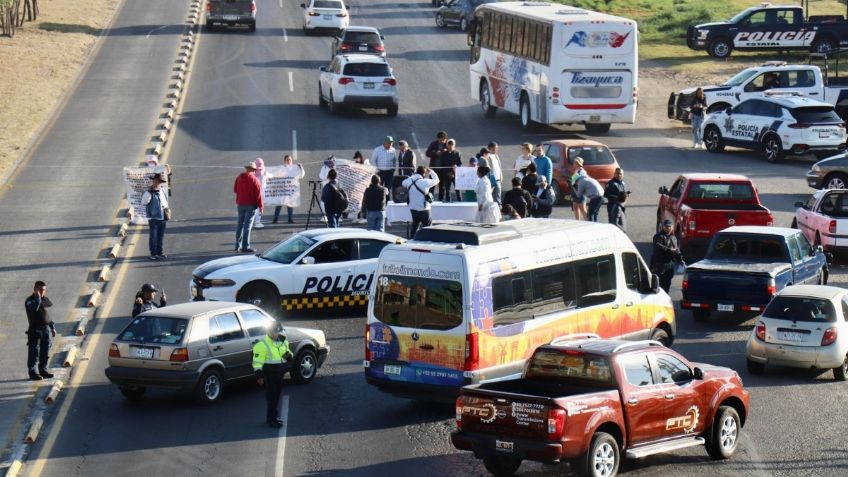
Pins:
x,y
248,198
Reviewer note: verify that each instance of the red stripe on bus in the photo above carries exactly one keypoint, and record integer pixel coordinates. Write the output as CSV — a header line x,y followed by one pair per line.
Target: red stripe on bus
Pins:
x,y
595,106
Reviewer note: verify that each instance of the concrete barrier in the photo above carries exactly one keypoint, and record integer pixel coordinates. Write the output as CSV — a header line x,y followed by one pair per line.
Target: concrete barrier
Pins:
x,y
80,329
14,468
122,230
34,430
115,250
103,276
70,357
54,392
92,300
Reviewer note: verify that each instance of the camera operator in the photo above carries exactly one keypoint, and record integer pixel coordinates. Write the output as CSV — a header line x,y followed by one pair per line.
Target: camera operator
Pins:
x,y
616,194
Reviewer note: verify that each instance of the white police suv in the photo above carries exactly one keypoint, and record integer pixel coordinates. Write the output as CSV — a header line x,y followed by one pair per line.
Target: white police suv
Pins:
x,y
312,270
777,124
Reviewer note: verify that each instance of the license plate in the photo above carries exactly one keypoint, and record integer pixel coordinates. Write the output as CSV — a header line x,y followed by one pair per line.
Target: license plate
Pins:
x,y
328,17
369,85
391,369
790,336
363,48
144,353
725,307
504,446
596,119
231,18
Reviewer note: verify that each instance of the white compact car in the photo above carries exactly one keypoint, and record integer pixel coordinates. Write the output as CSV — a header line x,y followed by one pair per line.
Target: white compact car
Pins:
x,y
364,81
314,269
325,14
803,327
824,218
777,124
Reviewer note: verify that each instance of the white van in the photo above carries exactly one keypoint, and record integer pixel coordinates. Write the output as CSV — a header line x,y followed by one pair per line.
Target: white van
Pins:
x,y
468,303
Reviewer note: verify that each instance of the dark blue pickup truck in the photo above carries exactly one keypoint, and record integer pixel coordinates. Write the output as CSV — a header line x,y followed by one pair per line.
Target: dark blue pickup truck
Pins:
x,y
746,266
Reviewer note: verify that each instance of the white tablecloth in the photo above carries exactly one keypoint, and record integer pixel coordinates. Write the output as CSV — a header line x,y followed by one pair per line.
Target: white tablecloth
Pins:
x,y
440,212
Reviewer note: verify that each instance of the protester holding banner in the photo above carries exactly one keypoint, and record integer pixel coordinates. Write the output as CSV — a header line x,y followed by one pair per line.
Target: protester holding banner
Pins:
x,y
360,159
153,163
295,172
155,202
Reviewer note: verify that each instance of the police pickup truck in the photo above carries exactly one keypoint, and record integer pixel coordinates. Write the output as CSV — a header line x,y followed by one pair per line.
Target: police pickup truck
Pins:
x,y
770,27
773,76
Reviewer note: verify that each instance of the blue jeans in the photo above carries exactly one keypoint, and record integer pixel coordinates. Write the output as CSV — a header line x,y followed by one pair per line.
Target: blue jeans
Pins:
x,y
376,220
38,345
333,220
157,236
697,121
244,226
593,208
279,209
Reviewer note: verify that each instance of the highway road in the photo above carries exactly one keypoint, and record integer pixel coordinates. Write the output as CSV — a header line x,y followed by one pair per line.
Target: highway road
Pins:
x,y
255,94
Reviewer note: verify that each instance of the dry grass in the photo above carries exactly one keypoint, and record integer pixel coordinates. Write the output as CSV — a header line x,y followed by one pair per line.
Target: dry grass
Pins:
x,y
39,64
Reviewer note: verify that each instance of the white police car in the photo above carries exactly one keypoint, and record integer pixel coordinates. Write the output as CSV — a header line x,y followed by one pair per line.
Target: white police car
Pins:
x,y
312,270
777,124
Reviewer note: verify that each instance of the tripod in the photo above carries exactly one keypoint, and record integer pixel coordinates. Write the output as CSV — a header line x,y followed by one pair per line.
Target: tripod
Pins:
x,y
314,201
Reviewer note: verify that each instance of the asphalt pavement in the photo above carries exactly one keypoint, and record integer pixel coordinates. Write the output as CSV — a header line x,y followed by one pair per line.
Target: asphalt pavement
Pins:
x,y
255,94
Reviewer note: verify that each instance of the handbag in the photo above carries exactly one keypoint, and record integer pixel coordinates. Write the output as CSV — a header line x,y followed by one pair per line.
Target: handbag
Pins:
x,y
167,213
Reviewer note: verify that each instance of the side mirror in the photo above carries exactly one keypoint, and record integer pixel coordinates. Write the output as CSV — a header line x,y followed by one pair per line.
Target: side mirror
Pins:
x,y
698,373
799,205
382,37
308,261
655,283
663,190
322,68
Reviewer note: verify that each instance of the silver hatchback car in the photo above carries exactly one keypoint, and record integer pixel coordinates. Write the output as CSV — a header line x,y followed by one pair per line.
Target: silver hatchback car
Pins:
x,y
199,346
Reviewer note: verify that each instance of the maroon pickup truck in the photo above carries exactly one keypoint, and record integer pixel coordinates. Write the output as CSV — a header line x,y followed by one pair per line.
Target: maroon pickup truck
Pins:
x,y
700,205
588,401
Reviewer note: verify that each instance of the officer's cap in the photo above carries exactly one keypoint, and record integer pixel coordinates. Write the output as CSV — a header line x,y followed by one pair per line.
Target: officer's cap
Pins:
x,y
148,287
667,222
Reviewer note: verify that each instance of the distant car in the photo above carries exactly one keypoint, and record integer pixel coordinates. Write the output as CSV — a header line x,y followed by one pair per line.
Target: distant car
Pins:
x,y
200,346
823,219
598,161
804,326
457,12
314,269
325,14
231,13
364,81
358,39
777,125
830,173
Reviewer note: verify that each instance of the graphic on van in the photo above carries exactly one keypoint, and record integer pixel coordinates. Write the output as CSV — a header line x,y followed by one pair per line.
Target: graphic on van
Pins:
x,y
506,79
597,39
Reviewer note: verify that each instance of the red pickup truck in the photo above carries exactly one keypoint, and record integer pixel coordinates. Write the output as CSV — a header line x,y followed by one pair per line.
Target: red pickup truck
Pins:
x,y
588,401
700,205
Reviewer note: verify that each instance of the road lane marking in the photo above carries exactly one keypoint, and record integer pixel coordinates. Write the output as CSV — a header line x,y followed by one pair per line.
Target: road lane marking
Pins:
x,y
294,144
279,463
285,35
281,4
154,30
291,81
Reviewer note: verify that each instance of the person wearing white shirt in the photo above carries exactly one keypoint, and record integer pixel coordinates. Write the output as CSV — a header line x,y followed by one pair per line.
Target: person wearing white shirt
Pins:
x,y
419,197
524,160
487,209
495,166
384,158
290,169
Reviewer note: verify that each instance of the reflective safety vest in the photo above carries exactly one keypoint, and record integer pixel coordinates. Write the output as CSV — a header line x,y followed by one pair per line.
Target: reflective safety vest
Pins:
x,y
268,351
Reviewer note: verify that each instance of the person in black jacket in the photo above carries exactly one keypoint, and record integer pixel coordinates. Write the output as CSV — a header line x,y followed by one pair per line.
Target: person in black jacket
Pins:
x,y
334,199
665,255
530,180
145,300
406,160
616,194
374,204
450,159
40,332
518,198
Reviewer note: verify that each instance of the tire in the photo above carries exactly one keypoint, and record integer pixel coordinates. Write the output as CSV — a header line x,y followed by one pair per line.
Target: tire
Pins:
x,y
132,393
321,101
440,20
210,386
263,296
661,335
658,227
723,436
824,46
501,466
755,367
835,180
305,366
817,241
463,24
772,149
823,277
597,128
392,110
524,113
601,460
486,100
840,373
701,315
720,48
712,139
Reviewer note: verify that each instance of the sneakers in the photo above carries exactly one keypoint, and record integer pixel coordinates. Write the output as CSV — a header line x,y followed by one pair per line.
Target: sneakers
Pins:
x,y
35,376
248,250
154,257
45,374
161,256
259,226
291,221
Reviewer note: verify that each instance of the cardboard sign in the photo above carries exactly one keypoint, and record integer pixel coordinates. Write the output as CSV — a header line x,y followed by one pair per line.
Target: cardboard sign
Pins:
x,y
138,181
280,189
466,178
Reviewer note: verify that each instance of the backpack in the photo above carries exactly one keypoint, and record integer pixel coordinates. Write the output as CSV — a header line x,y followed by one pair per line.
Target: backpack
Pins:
x,y
340,202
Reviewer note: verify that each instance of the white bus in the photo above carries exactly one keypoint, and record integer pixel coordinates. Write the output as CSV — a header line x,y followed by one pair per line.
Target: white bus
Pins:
x,y
554,64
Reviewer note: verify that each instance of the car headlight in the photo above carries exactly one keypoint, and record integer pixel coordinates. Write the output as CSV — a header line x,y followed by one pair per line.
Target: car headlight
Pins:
x,y
816,168
214,282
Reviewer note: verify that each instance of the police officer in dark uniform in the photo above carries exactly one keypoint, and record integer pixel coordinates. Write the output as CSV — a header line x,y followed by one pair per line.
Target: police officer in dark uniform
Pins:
x,y
665,255
40,332
144,301
270,355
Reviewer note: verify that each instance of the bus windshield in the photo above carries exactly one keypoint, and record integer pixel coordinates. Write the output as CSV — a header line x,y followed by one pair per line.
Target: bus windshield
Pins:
x,y
415,302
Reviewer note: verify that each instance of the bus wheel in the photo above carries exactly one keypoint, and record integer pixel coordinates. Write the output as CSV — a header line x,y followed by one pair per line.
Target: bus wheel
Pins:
x,y
597,128
524,113
486,100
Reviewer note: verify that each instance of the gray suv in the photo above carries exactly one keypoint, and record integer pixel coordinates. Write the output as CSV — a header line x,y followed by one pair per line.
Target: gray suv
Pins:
x,y
200,346
231,13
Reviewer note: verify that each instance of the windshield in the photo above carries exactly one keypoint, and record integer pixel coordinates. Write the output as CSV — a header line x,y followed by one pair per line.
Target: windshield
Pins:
x,y
422,303
154,329
559,364
288,251
740,78
592,155
801,309
361,37
739,16
816,114
750,248
367,69
721,191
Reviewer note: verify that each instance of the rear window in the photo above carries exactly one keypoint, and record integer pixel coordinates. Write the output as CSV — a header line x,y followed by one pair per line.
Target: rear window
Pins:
x,y
816,114
801,309
592,155
367,69
414,302
155,330
721,191
327,4
558,364
361,37
748,248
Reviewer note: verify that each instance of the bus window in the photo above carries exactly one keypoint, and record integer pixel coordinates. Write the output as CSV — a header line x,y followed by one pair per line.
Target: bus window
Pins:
x,y
418,302
595,281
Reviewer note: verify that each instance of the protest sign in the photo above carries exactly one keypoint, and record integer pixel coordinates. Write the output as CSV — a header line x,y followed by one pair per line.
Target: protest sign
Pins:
x,y
466,178
353,178
138,181
280,190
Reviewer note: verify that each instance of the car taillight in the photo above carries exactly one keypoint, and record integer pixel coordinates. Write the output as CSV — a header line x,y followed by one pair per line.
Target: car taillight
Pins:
x,y
379,47
692,225
314,14
771,287
252,8
114,352
770,221
841,125
799,126
390,81
342,14
345,80
829,337
472,357
209,7
832,227
555,92
459,401
179,355
556,423
760,331
685,284
346,46
367,343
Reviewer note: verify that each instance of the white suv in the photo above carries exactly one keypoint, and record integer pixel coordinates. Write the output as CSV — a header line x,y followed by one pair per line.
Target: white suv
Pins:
x,y
777,124
330,14
364,81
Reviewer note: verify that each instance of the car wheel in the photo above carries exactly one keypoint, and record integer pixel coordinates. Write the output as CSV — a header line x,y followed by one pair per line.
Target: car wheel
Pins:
x,y
321,101
701,315
501,466
712,139
723,435
524,113
755,367
440,20
720,48
822,277
661,335
841,373
263,296
817,241
597,128
132,393
823,46
772,149
601,460
305,366
210,386
463,24
486,100
392,110
836,180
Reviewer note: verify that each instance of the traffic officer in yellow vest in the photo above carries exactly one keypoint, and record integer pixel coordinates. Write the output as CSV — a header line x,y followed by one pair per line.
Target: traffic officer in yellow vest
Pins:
x,y
269,363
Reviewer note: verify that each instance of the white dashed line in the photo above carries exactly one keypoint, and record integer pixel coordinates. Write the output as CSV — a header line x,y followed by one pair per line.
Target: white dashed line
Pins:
x,y
294,144
281,439
291,81
285,36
